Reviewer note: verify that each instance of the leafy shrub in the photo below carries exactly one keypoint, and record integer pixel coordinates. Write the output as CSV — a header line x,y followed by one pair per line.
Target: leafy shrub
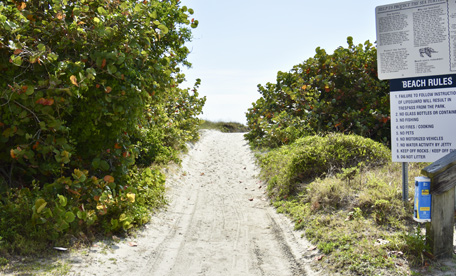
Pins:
x,y
315,156
89,90
282,129
337,92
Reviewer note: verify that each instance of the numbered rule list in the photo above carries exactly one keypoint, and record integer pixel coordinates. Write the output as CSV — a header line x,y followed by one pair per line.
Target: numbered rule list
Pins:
x,y
423,118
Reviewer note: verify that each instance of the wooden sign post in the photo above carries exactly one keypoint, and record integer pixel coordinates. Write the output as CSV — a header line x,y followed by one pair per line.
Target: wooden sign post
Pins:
x,y
440,231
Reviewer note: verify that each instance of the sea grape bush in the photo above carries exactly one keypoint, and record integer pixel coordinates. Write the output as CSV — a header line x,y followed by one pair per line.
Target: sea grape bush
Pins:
x,y
337,92
90,94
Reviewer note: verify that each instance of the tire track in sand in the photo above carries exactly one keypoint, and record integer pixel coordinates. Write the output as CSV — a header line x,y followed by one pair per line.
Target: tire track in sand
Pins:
x,y
218,222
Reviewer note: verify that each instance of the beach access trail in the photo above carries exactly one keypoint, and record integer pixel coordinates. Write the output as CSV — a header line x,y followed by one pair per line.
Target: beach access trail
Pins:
x,y
218,222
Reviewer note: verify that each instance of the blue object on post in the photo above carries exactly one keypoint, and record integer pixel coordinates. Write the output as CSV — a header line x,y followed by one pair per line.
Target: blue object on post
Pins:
x,y
422,204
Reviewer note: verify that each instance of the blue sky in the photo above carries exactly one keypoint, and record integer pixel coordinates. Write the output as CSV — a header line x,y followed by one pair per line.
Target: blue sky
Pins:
x,y
240,44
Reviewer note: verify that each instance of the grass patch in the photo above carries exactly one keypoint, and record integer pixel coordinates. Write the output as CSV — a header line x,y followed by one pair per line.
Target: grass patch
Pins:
x,y
346,196
51,265
227,127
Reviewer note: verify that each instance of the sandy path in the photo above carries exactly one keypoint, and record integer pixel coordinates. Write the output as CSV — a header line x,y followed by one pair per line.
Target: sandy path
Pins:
x,y
218,223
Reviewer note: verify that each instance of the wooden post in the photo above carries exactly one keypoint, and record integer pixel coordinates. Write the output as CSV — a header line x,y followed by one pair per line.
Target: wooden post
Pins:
x,y
440,231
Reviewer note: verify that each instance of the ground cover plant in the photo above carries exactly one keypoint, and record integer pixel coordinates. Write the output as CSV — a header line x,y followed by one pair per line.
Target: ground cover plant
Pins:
x,y
344,192
90,105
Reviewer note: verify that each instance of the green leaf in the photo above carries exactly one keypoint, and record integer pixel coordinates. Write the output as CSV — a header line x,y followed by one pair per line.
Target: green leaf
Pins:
x,y
104,165
52,57
114,223
40,204
69,217
63,225
62,200
41,47
123,217
112,69
121,58
82,215
91,71
163,28
16,60
59,211
153,14
102,11
30,90
96,163
138,8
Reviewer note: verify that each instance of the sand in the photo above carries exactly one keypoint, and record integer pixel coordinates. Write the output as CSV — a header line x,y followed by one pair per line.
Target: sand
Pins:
x,y
218,222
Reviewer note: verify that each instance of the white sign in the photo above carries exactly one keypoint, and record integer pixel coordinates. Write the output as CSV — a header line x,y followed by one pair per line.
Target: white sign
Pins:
x,y
423,118
416,38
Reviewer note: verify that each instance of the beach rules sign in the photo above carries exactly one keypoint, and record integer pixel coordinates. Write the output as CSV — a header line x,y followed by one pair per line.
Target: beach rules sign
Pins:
x,y
423,118
416,51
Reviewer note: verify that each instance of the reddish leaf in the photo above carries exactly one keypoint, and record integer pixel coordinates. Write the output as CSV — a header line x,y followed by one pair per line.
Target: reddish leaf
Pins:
x,y
21,5
108,179
41,101
44,101
49,102
13,155
73,192
36,145
103,211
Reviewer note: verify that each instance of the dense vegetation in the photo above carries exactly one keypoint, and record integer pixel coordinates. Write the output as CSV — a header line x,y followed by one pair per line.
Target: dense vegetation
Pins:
x,y
323,129
90,98
337,92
